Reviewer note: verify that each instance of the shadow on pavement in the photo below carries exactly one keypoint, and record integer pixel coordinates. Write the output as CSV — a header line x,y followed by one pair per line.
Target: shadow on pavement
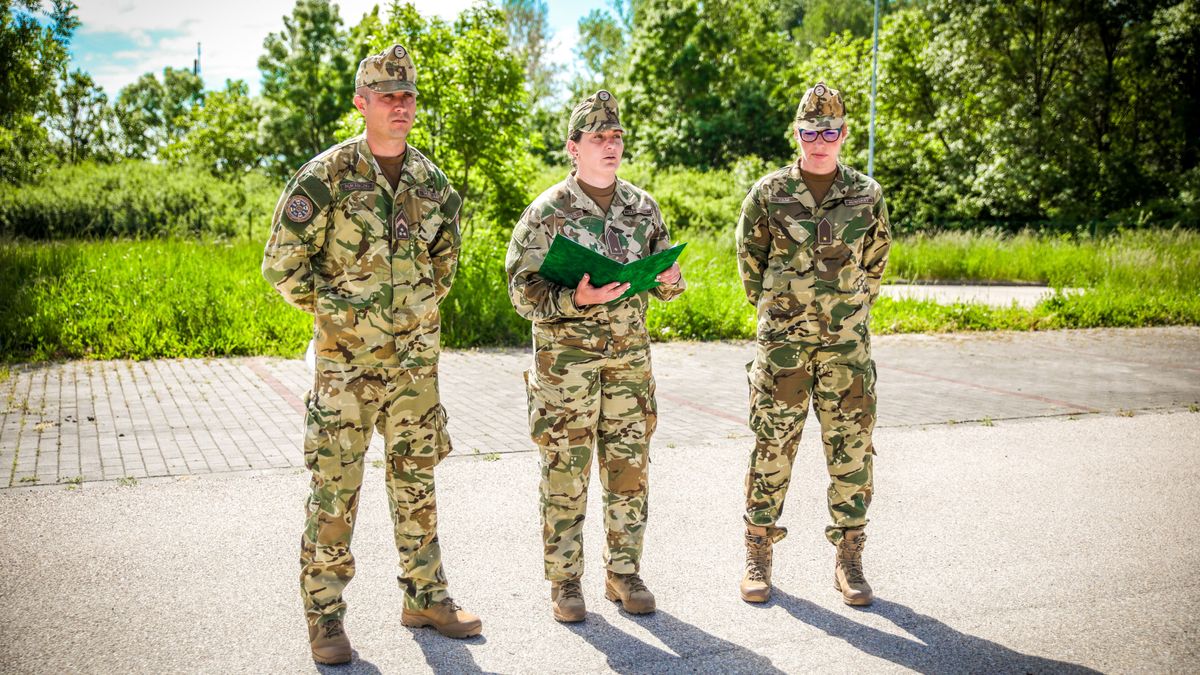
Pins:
x,y
447,655
628,654
933,648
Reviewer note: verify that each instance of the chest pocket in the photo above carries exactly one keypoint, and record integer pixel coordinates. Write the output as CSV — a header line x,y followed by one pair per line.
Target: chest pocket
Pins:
x,y
635,229
792,221
422,210
571,224
357,229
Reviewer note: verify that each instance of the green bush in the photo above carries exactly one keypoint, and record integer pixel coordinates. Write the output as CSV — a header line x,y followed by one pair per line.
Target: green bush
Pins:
x,y
191,298
136,199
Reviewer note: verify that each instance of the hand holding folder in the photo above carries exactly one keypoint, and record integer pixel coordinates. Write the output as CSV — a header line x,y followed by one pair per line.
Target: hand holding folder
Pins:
x,y
566,262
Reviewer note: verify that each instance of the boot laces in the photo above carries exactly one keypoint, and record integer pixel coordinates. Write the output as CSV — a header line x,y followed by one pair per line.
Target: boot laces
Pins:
x,y
450,604
332,629
570,589
854,571
851,559
757,552
634,582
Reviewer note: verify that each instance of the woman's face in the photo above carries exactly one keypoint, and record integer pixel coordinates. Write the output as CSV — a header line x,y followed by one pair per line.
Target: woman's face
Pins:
x,y
598,154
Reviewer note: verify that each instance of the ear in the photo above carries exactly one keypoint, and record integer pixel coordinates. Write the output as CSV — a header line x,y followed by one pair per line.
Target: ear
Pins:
x,y
572,147
360,103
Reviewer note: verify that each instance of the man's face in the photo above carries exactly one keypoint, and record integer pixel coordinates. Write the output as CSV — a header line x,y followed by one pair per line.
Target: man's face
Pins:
x,y
820,155
599,153
388,116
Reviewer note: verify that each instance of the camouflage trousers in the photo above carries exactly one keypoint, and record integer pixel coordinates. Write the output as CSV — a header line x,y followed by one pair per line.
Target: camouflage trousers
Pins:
x,y
839,380
345,405
580,399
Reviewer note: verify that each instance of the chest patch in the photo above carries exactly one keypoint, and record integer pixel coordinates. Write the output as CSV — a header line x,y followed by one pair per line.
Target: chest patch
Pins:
x,y
427,193
356,186
824,232
400,230
613,242
855,201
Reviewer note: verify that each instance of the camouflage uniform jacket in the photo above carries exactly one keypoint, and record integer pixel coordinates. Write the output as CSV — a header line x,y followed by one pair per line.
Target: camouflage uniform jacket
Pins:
x,y
371,264
632,229
813,270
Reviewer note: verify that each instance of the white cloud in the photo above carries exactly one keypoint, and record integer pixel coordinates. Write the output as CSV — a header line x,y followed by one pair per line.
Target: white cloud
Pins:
x,y
231,34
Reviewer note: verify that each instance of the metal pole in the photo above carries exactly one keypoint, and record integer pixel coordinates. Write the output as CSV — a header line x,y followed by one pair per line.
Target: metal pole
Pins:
x,y
874,82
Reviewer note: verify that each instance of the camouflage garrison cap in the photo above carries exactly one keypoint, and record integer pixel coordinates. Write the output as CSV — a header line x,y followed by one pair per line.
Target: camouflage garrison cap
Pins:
x,y
821,108
389,70
595,113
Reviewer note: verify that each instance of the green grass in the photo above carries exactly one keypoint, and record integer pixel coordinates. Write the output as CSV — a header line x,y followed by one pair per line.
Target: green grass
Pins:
x,y
188,298
1135,278
141,299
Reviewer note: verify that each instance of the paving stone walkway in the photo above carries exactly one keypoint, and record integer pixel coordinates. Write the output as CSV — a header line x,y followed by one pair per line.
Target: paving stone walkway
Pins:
x,y
85,421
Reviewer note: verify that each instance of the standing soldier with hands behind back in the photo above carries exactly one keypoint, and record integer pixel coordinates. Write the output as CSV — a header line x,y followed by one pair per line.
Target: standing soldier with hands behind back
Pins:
x,y
365,238
590,385
813,241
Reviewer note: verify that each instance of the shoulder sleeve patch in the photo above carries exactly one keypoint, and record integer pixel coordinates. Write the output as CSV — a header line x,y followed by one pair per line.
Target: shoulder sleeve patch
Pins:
x,y
299,209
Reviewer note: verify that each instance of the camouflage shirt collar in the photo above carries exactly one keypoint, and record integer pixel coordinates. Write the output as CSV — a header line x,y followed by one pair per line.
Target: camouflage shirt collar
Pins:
x,y
412,173
580,200
838,190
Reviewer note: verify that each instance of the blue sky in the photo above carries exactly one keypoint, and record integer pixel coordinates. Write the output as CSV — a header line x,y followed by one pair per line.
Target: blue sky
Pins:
x,y
119,40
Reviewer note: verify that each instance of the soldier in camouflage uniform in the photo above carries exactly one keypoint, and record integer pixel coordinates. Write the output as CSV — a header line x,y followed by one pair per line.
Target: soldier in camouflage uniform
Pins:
x,y
365,238
811,265
590,384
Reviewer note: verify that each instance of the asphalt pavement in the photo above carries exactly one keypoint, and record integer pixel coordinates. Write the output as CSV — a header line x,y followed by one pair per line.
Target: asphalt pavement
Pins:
x,y
1054,534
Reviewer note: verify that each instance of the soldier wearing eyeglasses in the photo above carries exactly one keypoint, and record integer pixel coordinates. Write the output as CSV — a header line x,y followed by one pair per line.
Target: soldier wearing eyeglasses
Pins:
x,y
813,241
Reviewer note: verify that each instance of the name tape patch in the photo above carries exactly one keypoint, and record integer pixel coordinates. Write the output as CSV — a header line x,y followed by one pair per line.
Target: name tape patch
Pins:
x,y
357,185
855,201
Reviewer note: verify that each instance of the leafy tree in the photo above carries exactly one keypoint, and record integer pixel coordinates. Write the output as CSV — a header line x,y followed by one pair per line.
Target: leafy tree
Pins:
x,y
81,118
602,47
222,134
33,51
702,82
812,21
529,35
527,25
152,112
308,80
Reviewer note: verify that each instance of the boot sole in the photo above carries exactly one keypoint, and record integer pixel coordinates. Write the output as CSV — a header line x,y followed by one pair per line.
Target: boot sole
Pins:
x,y
331,661
755,599
563,618
612,595
421,622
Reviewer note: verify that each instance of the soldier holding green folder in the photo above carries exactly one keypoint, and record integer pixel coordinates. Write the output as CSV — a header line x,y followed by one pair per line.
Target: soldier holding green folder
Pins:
x,y
590,385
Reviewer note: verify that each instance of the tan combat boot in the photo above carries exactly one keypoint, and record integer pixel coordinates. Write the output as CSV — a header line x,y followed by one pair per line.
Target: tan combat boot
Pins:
x,y
567,599
848,572
447,617
329,643
756,583
630,591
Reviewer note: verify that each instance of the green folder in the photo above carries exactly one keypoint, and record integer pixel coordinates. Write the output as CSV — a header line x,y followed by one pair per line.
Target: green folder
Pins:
x,y
567,261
